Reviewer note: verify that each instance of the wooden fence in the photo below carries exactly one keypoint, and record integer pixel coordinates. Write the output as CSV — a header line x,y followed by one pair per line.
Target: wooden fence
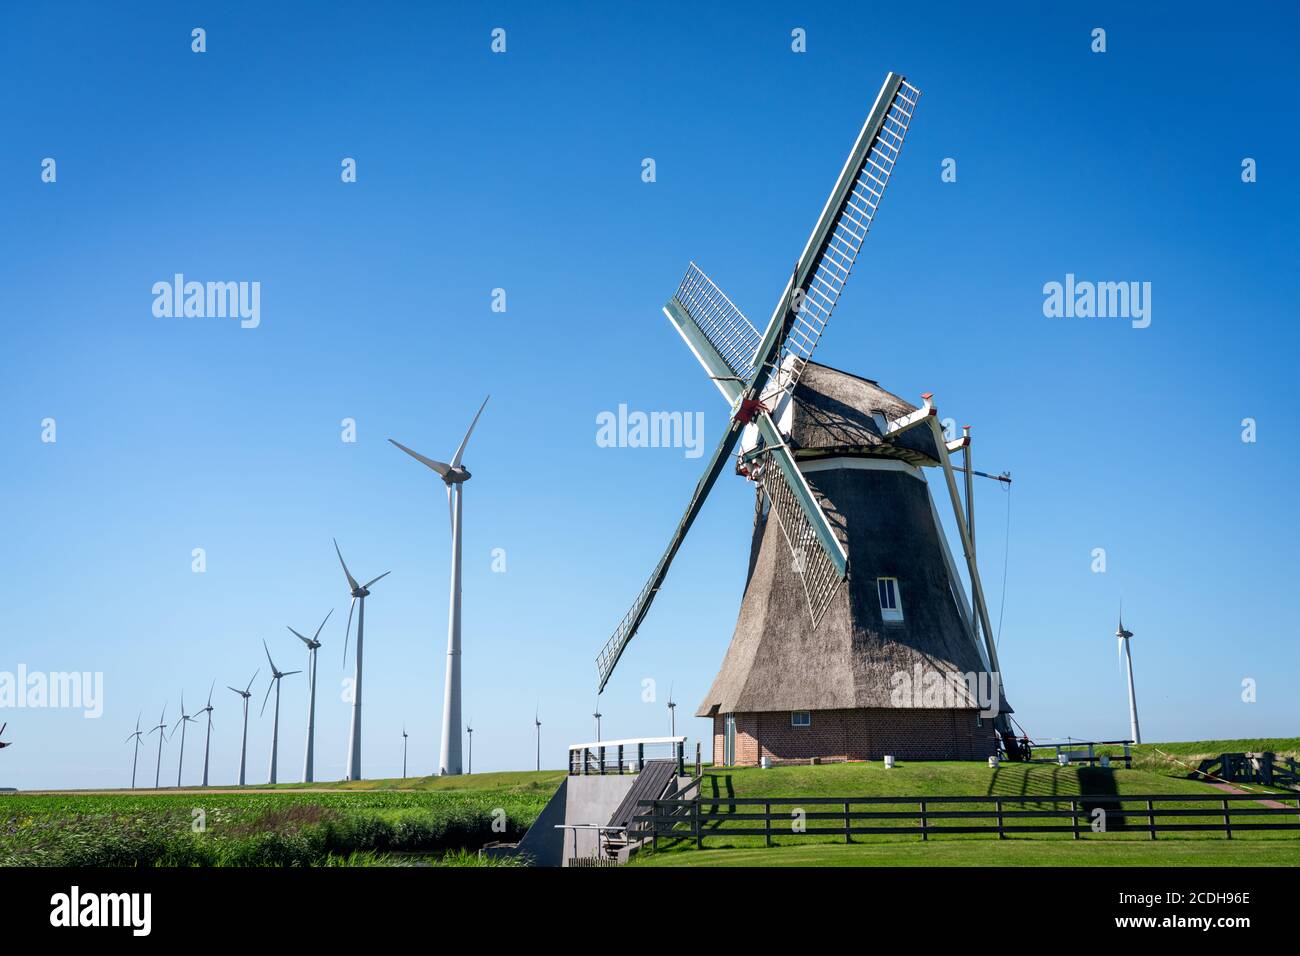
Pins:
x,y
1076,814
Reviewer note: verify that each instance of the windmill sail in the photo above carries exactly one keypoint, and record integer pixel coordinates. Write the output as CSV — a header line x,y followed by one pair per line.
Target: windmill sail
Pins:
x,y
746,366
837,238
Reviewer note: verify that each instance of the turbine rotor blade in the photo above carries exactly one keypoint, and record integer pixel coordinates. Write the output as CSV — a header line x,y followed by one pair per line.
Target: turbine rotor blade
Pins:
x,y
373,580
250,681
322,625
352,582
305,640
290,673
210,690
348,631
455,460
268,655
442,468
268,696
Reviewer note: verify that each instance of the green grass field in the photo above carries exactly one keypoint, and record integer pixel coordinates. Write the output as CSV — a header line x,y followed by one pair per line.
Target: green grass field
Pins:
x,y
444,820
733,845
431,821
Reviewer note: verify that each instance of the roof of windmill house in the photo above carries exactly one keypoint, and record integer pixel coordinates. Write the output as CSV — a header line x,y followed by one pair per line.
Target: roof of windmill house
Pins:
x,y
838,412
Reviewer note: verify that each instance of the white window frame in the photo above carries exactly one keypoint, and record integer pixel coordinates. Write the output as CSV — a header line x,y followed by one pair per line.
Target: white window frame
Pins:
x,y
891,615
794,722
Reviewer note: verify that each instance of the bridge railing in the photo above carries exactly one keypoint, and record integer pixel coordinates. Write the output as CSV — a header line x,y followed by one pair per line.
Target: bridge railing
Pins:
x,y
626,756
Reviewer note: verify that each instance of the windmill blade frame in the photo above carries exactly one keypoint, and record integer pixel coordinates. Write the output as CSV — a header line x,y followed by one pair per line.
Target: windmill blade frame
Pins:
x,y
613,648
832,249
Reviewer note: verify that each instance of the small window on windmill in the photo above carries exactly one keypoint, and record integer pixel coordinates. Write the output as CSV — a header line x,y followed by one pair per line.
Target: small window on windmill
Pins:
x,y
891,608
800,718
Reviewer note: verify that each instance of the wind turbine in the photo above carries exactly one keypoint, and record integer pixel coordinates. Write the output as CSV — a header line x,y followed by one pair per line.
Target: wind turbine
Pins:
x,y
161,730
469,732
1123,637
359,593
537,721
454,476
313,644
207,740
276,674
243,747
185,719
672,713
597,715
404,736
133,736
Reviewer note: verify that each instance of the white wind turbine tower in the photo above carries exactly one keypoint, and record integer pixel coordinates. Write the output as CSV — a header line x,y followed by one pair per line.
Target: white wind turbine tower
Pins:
x,y
185,719
469,734
1123,637
404,736
161,729
313,644
276,674
135,736
359,593
243,747
454,476
207,740
537,721
672,713
597,715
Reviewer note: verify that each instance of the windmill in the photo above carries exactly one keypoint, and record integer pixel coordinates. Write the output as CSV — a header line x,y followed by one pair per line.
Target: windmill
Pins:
x,y
135,735
246,693
207,740
161,730
313,645
359,593
404,736
838,461
1123,637
454,476
185,719
276,676
469,733
537,723
597,715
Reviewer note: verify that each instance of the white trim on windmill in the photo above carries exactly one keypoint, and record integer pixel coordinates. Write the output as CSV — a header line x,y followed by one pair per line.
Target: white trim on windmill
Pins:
x,y
454,476
246,693
359,592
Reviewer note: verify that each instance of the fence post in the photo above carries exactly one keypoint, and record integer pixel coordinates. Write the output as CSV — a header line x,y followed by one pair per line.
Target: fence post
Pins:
x,y
848,837
620,760
698,765
699,837
654,823
767,823
1227,820
1151,818
640,757
680,759
1128,756
1074,818
998,805
924,835
601,752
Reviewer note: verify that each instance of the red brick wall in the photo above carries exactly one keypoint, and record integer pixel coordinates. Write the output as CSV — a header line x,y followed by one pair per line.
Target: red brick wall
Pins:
x,y
863,734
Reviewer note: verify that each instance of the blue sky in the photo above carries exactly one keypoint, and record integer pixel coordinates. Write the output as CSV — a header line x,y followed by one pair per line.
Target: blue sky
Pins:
x,y
522,171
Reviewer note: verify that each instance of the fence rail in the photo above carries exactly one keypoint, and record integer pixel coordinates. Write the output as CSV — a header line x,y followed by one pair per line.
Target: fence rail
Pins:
x,y
1151,814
